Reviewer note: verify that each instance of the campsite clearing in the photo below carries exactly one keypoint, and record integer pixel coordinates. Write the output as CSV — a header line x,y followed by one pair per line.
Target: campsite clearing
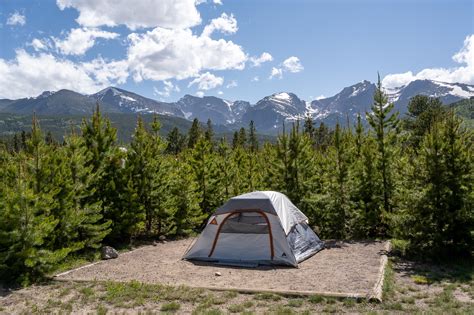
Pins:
x,y
343,269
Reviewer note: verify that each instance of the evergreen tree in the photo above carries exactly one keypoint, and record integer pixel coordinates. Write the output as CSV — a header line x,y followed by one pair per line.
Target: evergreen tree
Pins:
x,y
176,142
209,133
235,140
25,225
242,138
253,141
183,201
206,175
423,113
384,124
322,137
438,219
148,172
194,133
309,127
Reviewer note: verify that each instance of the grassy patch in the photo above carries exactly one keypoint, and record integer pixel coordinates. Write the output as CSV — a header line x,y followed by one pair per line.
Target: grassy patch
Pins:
x,y
418,279
280,310
267,297
316,299
101,310
170,307
388,288
295,303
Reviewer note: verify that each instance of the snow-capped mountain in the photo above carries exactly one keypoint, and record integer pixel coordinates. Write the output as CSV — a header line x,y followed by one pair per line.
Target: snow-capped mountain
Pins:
x,y
129,102
220,111
268,114
271,111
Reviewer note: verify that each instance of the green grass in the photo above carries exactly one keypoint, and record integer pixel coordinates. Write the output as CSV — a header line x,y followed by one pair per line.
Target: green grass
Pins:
x,y
388,288
316,299
295,303
170,307
267,297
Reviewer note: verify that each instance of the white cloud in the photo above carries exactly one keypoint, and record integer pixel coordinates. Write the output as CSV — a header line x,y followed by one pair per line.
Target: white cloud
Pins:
x,y
168,88
232,84
135,14
79,40
40,44
225,24
199,93
16,19
107,72
464,73
207,81
255,79
198,2
264,57
220,92
292,64
276,73
320,97
163,54
30,75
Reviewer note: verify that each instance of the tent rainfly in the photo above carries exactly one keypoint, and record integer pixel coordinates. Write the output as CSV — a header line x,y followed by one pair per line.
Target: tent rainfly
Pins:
x,y
257,228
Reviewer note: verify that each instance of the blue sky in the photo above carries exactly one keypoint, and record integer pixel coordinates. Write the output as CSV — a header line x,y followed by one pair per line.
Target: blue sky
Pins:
x,y
164,49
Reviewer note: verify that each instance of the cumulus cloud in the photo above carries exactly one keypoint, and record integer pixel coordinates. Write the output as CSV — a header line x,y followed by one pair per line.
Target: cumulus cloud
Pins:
x,y
40,44
16,18
220,92
30,75
207,81
135,14
168,88
232,84
163,54
106,72
264,57
80,40
292,64
226,24
276,73
464,73
255,79
199,93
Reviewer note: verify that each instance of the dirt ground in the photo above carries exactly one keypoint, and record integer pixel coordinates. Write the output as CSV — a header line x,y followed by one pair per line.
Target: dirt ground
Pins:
x,y
344,267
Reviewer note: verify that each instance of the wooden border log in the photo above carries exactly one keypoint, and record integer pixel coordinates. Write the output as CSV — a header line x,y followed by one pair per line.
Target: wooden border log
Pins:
x,y
377,292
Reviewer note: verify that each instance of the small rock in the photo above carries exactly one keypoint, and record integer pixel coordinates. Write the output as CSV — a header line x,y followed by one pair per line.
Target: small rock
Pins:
x,y
154,243
162,238
218,274
108,252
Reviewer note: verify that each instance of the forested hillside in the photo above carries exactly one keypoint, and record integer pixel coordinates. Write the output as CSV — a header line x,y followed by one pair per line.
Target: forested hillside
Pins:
x,y
409,180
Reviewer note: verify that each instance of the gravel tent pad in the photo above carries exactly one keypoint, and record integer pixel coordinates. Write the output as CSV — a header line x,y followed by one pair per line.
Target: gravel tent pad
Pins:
x,y
352,269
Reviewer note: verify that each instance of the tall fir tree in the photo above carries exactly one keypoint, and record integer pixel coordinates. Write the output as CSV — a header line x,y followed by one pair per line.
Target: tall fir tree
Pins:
x,y
253,141
176,142
194,133
384,123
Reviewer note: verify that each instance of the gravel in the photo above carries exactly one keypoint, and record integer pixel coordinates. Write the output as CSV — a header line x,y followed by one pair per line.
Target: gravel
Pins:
x,y
344,267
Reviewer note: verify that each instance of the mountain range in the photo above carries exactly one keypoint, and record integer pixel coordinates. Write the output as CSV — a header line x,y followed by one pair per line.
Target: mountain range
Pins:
x,y
269,113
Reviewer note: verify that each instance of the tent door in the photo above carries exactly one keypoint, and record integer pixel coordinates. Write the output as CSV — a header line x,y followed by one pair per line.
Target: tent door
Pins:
x,y
245,222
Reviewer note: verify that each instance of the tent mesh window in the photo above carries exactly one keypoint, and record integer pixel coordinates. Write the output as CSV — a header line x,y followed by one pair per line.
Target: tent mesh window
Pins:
x,y
246,223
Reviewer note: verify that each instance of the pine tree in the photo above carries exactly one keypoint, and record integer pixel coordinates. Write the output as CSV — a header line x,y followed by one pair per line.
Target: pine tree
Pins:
x,y
242,137
322,137
183,202
148,171
253,141
209,133
336,204
384,124
206,175
439,218
235,140
194,133
309,127
26,224
176,142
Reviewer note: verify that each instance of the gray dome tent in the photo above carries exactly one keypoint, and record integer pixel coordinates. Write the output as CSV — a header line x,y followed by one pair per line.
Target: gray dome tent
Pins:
x,y
262,227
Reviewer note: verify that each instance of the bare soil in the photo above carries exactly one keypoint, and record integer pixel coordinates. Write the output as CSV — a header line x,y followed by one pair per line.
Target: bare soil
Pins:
x,y
344,267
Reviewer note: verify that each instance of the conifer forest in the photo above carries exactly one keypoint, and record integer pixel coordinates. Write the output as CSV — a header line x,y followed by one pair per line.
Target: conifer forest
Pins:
x,y
406,178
